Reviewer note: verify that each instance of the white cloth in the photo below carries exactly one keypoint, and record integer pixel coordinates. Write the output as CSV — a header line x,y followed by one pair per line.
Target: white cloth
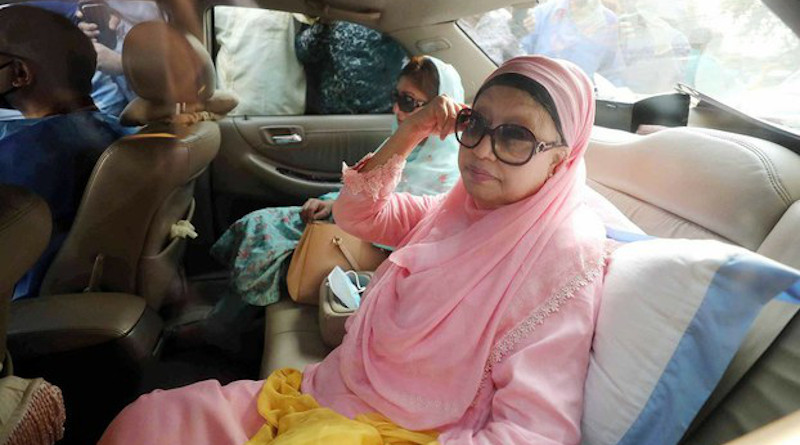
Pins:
x,y
257,61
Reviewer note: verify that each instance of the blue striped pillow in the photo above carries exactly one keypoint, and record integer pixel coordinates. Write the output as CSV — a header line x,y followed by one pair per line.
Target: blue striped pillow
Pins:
x,y
673,314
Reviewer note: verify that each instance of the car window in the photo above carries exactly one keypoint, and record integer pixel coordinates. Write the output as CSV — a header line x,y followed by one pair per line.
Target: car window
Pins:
x,y
736,51
278,63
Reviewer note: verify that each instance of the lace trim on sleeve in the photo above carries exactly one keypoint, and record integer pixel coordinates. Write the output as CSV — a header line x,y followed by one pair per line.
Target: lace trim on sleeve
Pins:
x,y
376,183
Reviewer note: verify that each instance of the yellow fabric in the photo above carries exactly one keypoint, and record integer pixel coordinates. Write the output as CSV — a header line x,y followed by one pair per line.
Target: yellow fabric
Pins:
x,y
293,418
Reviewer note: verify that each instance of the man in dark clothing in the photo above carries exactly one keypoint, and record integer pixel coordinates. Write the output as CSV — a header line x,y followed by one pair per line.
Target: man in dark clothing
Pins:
x,y
46,69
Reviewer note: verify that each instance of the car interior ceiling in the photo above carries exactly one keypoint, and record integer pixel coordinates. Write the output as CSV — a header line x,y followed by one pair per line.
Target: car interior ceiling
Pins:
x,y
220,195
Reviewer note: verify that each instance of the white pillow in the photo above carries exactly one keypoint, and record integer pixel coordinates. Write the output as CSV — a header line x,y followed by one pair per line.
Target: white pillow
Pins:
x,y
672,316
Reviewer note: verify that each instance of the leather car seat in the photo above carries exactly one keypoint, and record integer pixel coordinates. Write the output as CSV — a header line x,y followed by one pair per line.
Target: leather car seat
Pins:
x,y
33,409
124,237
700,183
25,227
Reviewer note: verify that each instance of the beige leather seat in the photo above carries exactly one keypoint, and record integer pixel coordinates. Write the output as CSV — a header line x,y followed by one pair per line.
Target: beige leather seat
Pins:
x,y
695,183
25,226
33,409
73,340
143,184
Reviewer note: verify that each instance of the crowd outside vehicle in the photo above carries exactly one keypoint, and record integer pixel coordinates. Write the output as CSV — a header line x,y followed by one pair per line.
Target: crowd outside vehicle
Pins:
x,y
582,31
109,89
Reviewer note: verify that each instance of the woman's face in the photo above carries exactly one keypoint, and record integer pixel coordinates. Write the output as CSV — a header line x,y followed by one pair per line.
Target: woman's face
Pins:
x,y
492,183
405,86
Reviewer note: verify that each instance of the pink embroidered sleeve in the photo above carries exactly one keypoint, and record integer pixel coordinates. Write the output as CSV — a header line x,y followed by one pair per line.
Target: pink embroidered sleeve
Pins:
x,y
368,208
538,396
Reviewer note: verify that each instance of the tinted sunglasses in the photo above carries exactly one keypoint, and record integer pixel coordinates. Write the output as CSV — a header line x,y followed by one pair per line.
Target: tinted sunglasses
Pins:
x,y
512,144
405,102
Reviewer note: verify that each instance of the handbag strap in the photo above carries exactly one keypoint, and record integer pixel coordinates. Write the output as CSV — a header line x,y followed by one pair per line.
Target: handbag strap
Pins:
x,y
347,255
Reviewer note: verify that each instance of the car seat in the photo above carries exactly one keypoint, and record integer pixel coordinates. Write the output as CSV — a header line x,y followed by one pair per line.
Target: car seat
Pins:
x,y
130,231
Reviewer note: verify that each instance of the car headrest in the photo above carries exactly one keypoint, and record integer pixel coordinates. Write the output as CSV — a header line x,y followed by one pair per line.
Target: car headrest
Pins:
x,y
171,72
162,66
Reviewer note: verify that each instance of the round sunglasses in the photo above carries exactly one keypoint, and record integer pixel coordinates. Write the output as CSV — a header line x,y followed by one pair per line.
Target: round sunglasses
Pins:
x,y
405,102
512,144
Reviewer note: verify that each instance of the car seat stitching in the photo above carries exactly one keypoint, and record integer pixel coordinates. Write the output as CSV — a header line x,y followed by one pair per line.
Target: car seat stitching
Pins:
x,y
774,178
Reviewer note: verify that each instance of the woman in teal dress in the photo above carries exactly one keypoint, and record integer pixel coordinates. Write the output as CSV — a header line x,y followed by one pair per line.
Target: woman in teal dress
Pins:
x,y
257,246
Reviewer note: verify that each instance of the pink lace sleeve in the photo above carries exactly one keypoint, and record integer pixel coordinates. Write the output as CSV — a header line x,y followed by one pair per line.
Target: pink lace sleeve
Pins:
x,y
377,183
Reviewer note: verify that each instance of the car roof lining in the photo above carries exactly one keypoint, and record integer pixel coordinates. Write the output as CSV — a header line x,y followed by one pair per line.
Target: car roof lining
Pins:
x,y
384,15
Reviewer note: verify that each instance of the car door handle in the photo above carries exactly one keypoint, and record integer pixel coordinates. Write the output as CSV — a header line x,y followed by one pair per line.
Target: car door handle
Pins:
x,y
287,139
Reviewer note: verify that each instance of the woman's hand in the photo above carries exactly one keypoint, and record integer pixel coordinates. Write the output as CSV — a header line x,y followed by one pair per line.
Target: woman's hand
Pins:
x,y
437,118
315,209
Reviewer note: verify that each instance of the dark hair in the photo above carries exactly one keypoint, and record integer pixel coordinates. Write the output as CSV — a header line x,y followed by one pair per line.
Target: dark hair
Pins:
x,y
61,52
423,74
536,90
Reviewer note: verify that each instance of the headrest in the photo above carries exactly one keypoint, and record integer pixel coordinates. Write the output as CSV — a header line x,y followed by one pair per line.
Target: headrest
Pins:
x,y
734,186
164,66
173,75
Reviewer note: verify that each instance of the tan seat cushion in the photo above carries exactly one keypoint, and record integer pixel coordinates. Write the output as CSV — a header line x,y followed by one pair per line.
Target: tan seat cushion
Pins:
x,y
292,337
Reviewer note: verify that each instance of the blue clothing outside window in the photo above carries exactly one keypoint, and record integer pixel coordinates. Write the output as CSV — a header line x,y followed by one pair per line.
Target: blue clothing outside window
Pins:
x,y
591,44
54,157
110,93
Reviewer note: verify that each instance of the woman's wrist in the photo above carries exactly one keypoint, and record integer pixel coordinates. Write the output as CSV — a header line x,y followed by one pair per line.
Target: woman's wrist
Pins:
x,y
401,143
409,137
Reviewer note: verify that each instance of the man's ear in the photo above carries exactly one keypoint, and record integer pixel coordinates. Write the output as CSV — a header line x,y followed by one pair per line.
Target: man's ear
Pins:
x,y
22,74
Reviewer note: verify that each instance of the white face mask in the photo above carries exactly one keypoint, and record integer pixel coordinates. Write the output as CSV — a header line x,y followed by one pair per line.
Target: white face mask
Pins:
x,y
343,287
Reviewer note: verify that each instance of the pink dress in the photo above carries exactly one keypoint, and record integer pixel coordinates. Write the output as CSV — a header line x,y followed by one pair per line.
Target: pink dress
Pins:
x,y
534,395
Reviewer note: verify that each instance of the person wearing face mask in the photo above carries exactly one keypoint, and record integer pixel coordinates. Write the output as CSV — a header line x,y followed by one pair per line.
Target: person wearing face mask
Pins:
x,y
46,69
477,330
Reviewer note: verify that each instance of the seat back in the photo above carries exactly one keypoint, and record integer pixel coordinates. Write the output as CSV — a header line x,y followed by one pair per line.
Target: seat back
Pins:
x,y
25,226
699,183
142,185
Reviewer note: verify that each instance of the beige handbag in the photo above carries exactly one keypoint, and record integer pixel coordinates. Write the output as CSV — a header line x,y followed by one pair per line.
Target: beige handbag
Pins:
x,y
322,247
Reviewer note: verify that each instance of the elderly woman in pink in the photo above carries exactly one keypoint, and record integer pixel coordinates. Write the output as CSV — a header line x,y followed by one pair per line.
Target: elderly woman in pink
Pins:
x,y
478,328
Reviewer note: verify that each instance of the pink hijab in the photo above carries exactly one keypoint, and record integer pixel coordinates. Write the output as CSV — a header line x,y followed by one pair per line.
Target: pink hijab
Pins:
x,y
461,293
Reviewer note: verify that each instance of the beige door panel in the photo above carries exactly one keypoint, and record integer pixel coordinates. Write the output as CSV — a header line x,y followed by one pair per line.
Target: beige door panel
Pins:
x,y
297,156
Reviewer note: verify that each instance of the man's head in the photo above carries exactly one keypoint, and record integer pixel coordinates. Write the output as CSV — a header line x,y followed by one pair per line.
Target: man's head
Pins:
x,y
46,62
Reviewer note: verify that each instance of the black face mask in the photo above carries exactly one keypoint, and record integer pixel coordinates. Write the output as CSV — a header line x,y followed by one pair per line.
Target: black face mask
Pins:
x,y
3,101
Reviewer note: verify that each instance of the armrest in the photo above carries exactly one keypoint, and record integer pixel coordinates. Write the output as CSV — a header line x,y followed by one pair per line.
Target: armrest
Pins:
x,y
61,323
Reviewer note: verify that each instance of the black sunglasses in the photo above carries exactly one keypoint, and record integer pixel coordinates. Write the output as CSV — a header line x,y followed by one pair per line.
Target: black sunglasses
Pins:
x,y
405,102
512,144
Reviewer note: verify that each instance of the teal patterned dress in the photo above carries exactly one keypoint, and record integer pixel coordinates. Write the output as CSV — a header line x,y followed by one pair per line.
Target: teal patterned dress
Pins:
x,y
257,247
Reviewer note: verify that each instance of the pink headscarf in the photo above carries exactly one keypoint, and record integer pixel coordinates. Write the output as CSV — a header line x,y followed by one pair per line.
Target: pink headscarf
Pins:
x,y
458,297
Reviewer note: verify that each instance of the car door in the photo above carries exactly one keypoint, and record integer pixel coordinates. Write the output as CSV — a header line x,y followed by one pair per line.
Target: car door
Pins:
x,y
282,144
